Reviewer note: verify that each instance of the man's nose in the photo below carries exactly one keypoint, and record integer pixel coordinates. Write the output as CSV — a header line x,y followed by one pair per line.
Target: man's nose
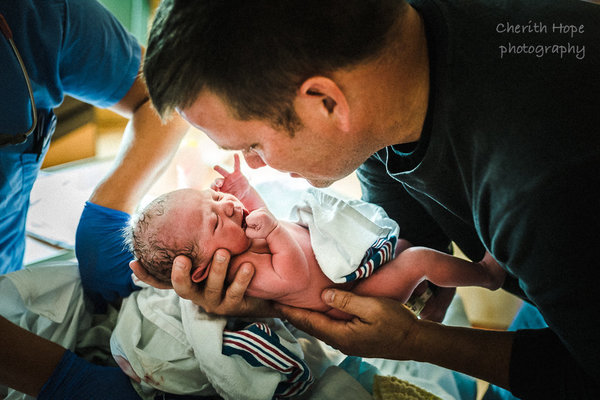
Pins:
x,y
253,160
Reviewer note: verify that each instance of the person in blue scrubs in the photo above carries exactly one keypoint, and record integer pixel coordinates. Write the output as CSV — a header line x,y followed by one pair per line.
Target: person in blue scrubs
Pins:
x,y
48,49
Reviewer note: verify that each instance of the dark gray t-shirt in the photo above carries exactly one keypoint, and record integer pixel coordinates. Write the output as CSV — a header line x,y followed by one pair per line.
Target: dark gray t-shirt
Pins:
x,y
509,162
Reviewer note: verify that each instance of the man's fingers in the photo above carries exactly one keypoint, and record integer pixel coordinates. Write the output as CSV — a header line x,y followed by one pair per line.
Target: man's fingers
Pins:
x,y
213,291
144,276
348,302
180,276
306,320
237,289
319,325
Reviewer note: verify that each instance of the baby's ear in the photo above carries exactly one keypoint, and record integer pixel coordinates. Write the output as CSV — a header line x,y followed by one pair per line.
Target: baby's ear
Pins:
x,y
199,274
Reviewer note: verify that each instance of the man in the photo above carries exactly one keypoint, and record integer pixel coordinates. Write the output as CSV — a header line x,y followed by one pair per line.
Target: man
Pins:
x,y
481,119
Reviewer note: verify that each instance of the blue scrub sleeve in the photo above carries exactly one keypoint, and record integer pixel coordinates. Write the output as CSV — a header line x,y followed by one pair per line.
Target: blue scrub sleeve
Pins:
x,y
100,60
75,378
103,257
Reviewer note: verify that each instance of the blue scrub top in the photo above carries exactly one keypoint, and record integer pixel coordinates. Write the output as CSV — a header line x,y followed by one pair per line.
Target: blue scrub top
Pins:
x,y
73,47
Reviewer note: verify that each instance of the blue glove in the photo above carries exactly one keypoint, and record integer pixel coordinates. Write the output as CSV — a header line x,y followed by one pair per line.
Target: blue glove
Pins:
x,y
75,378
103,258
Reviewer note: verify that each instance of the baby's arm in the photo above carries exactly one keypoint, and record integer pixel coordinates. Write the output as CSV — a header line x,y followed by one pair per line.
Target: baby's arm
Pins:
x,y
289,266
236,184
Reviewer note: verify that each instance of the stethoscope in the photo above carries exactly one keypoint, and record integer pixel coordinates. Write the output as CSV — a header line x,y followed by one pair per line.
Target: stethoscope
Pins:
x,y
7,139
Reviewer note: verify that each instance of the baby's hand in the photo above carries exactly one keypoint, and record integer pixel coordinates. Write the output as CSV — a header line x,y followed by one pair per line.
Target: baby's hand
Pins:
x,y
234,182
260,223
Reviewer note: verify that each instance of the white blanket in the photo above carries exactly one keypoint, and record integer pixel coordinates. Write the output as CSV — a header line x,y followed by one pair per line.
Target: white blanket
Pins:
x,y
343,232
175,347
48,301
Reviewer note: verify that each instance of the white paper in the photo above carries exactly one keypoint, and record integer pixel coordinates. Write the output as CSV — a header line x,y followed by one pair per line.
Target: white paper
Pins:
x,y
57,200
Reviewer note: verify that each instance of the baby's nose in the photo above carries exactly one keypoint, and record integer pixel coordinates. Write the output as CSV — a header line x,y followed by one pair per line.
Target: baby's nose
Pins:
x,y
230,208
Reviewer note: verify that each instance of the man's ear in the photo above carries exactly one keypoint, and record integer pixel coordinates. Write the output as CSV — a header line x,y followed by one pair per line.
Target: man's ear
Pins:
x,y
323,98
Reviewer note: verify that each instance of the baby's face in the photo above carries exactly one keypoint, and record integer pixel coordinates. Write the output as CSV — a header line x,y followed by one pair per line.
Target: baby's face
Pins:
x,y
214,220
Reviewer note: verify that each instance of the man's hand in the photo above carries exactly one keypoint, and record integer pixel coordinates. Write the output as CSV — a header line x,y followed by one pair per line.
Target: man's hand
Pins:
x,y
214,296
382,328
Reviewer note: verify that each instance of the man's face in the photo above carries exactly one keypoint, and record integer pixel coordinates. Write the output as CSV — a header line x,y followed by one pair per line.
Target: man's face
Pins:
x,y
321,157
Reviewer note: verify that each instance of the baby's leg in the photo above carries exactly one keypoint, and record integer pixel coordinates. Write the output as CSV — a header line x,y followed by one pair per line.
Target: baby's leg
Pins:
x,y
449,271
399,277
417,264
395,279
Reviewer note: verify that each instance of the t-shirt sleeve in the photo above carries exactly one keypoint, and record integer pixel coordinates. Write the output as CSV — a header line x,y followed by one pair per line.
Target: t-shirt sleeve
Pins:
x,y
416,224
99,59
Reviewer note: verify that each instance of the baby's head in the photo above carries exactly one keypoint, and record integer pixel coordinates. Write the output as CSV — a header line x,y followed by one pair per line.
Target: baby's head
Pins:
x,y
187,222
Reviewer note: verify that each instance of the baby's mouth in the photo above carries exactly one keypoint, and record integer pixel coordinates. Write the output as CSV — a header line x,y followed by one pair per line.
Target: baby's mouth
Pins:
x,y
244,215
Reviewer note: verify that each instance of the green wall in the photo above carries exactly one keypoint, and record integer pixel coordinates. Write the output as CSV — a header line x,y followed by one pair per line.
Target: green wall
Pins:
x,y
133,14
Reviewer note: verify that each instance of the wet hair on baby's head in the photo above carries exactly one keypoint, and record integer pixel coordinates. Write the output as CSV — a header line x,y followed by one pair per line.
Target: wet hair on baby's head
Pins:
x,y
142,236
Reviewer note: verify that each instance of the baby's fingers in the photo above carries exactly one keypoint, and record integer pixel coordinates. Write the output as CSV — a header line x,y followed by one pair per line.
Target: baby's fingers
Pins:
x,y
236,163
217,184
221,171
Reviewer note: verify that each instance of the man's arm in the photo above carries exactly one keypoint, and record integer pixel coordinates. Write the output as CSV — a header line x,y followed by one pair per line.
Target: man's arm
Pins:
x,y
384,328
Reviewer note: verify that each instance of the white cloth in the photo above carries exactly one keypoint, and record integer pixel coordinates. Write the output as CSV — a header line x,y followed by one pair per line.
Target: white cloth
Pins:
x,y
175,347
341,231
48,300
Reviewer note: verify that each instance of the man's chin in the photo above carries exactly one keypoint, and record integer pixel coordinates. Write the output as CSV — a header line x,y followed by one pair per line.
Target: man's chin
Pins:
x,y
320,183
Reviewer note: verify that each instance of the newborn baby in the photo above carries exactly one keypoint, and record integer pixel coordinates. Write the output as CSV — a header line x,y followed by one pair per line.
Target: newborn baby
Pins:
x,y
232,215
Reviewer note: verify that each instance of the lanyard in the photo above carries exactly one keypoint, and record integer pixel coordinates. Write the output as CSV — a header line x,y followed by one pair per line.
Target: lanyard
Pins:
x,y
7,139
